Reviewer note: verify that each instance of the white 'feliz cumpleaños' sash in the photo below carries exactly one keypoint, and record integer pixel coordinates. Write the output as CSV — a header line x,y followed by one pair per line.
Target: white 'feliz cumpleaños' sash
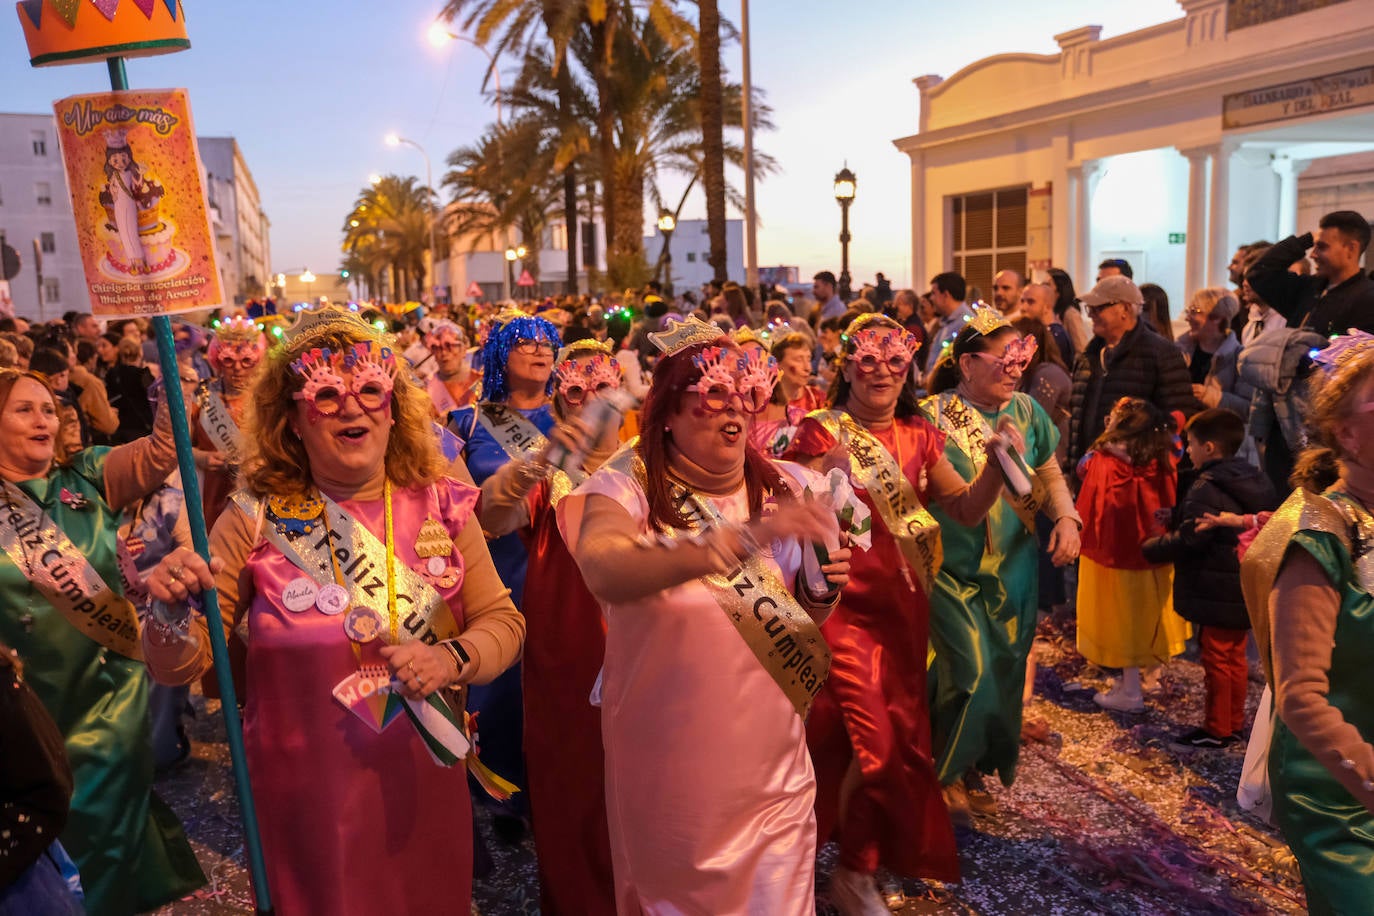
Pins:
x,y
422,612
520,438
218,421
62,574
872,467
782,636
970,431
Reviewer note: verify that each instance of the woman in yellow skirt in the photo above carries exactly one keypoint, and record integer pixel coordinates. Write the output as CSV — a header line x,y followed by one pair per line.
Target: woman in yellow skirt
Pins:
x,y
1126,615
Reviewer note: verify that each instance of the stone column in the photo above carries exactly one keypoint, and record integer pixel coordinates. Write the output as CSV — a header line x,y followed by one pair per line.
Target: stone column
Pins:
x,y
1195,257
1288,171
1219,224
921,230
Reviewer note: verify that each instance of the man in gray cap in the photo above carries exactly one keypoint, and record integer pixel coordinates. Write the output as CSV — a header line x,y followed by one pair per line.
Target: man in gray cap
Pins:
x,y
1126,358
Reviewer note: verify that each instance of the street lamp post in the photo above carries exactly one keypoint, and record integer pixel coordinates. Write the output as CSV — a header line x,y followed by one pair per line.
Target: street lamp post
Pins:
x,y
844,194
666,225
397,140
440,35
308,279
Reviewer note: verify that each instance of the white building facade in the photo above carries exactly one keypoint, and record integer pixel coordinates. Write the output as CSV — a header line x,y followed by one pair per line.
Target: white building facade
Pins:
x,y
690,246
1169,146
242,238
35,209
481,260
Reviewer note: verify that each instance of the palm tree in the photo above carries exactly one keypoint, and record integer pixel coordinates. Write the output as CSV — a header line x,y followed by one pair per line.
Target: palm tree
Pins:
x,y
507,180
712,133
516,29
389,228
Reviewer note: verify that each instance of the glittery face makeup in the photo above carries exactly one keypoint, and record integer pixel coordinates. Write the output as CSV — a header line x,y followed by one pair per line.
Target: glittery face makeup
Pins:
x,y
731,378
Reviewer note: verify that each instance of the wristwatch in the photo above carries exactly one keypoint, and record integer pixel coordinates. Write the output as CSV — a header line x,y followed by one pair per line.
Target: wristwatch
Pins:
x,y
459,654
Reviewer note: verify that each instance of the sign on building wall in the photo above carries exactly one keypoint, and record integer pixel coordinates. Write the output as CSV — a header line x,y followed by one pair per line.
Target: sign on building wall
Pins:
x,y
1299,99
1243,13
142,219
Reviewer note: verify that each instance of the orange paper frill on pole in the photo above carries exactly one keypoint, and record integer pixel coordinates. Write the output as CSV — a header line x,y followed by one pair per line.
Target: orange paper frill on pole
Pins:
x,y
77,31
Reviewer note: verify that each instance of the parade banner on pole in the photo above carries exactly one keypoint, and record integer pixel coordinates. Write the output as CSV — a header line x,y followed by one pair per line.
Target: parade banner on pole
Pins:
x,y
142,216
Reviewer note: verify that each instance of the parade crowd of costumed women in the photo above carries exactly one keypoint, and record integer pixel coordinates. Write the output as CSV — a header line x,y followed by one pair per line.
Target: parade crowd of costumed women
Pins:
x,y
687,624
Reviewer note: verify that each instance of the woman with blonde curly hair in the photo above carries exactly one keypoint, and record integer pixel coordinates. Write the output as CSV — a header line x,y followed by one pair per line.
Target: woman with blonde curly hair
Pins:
x,y
370,602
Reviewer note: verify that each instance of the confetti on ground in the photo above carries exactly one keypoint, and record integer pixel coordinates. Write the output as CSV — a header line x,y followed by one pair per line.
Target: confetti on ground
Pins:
x,y
1104,817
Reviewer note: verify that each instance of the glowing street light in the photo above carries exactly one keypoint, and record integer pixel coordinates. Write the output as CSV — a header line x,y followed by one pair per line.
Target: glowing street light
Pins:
x,y
845,182
666,224
374,179
308,279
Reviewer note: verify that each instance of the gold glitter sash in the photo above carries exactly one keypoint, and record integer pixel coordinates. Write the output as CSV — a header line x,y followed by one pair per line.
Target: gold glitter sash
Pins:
x,y
970,431
872,467
218,421
782,636
422,611
60,572
1302,511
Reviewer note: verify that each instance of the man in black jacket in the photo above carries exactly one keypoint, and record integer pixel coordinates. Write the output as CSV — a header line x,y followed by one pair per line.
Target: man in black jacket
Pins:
x,y
1338,296
1125,359
1207,568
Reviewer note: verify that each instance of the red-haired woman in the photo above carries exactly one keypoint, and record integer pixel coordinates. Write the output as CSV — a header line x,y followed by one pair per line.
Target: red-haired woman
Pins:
x,y
693,543
870,729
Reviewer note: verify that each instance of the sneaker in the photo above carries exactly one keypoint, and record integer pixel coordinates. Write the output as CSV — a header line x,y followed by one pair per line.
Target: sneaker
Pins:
x,y
856,894
1201,739
980,800
956,800
1119,700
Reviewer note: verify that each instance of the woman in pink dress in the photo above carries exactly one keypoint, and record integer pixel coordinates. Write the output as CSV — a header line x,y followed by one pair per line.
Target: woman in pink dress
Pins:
x,y
692,542
794,396
361,795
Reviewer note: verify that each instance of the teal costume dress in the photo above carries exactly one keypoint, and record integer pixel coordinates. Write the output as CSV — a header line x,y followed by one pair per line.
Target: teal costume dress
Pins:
x,y
1330,831
984,603
128,845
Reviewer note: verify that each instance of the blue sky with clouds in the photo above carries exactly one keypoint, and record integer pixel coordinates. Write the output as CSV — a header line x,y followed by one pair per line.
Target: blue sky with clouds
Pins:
x,y
310,88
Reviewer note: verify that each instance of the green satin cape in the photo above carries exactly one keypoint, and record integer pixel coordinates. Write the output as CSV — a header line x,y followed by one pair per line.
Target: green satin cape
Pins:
x,y
983,614
128,845
1330,832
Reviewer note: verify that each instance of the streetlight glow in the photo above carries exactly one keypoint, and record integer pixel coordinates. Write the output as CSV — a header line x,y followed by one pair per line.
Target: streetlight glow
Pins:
x,y
666,223
307,276
510,254
844,185
374,179
438,34
354,223
393,139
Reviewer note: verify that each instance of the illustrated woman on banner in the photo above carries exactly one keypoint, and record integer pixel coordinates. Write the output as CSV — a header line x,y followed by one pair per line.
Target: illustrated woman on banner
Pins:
x,y
124,185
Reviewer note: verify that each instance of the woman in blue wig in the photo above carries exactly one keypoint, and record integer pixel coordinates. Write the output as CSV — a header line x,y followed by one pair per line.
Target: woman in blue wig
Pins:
x,y
509,421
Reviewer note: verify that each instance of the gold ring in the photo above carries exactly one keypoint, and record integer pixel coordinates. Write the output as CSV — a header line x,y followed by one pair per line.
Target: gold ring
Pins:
x,y
419,681
411,664
175,571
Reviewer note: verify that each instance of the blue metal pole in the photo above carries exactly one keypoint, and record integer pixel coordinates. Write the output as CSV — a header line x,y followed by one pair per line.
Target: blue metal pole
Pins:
x,y
233,727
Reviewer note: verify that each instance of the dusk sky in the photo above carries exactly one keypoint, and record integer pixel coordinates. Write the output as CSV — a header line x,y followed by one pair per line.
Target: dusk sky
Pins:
x,y
310,88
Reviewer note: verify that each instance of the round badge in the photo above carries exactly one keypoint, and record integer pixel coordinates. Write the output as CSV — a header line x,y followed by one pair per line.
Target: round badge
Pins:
x,y
436,566
300,594
362,624
332,599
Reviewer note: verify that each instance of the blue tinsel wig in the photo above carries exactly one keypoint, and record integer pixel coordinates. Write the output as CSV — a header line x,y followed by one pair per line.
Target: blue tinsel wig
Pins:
x,y
496,351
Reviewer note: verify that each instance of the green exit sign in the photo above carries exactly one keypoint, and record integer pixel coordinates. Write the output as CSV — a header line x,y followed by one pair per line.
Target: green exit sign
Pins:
x,y
1177,238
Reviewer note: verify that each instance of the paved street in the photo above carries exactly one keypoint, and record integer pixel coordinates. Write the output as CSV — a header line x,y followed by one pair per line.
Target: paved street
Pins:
x,y
1103,818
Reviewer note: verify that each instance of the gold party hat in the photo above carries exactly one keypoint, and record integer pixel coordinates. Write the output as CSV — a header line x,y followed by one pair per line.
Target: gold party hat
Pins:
x,y
985,319
328,319
683,334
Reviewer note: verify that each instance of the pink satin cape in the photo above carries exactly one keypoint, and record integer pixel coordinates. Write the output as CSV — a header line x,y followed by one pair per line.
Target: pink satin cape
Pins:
x,y
709,787
354,823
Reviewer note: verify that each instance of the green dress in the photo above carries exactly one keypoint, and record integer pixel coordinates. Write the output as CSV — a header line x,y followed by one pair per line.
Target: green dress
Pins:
x,y
128,845
984,604
1330,832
